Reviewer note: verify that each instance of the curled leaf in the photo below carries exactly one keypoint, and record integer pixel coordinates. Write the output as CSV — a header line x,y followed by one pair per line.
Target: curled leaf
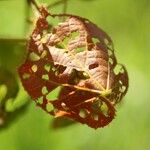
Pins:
x,y
78,57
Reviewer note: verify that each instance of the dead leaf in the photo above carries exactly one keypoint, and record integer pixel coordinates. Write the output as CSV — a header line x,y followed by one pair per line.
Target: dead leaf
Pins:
x,y
79,57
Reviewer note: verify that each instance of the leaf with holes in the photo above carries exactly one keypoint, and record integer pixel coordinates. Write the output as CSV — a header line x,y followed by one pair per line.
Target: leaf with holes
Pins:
x,y
77,59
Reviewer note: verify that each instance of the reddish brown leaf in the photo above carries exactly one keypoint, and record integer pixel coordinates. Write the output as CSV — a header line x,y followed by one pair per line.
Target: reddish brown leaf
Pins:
x,y
79,57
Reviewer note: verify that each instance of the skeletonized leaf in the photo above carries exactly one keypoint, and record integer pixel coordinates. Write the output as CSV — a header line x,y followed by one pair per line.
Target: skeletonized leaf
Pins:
x,y
78,58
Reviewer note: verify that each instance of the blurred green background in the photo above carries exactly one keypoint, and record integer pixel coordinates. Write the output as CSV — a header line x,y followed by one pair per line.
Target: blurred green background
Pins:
x,y
128,24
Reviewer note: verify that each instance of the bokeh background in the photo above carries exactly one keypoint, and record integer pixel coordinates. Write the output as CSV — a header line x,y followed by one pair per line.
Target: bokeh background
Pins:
x,y
28,127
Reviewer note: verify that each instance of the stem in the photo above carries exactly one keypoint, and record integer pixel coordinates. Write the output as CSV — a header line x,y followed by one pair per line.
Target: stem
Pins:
x,y
35,4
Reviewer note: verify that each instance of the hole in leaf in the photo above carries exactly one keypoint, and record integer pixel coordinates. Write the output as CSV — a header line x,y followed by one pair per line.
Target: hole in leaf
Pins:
x,y
78,50
122,89
56,73
49,107
60,46
87,21
96,117
44,53
47,67
122,69
53,94
53,69
92,66
83,75
86,75
34,57
83,113
74,34
44,37
45,77
120,82
110,60
110,52
26,76
108,43
95,40
34,68
65,42
118,69
44,90
104,109
40,100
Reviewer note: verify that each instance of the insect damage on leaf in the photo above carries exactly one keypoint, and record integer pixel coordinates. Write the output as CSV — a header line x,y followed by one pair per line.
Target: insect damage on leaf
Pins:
x,y
78,58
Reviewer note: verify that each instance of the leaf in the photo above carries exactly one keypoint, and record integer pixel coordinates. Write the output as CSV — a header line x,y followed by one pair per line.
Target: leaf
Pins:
x,y
79,57
13,101
7,79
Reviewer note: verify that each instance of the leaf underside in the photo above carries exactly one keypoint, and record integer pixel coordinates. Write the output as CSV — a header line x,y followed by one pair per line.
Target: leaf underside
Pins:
x,y
78,58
